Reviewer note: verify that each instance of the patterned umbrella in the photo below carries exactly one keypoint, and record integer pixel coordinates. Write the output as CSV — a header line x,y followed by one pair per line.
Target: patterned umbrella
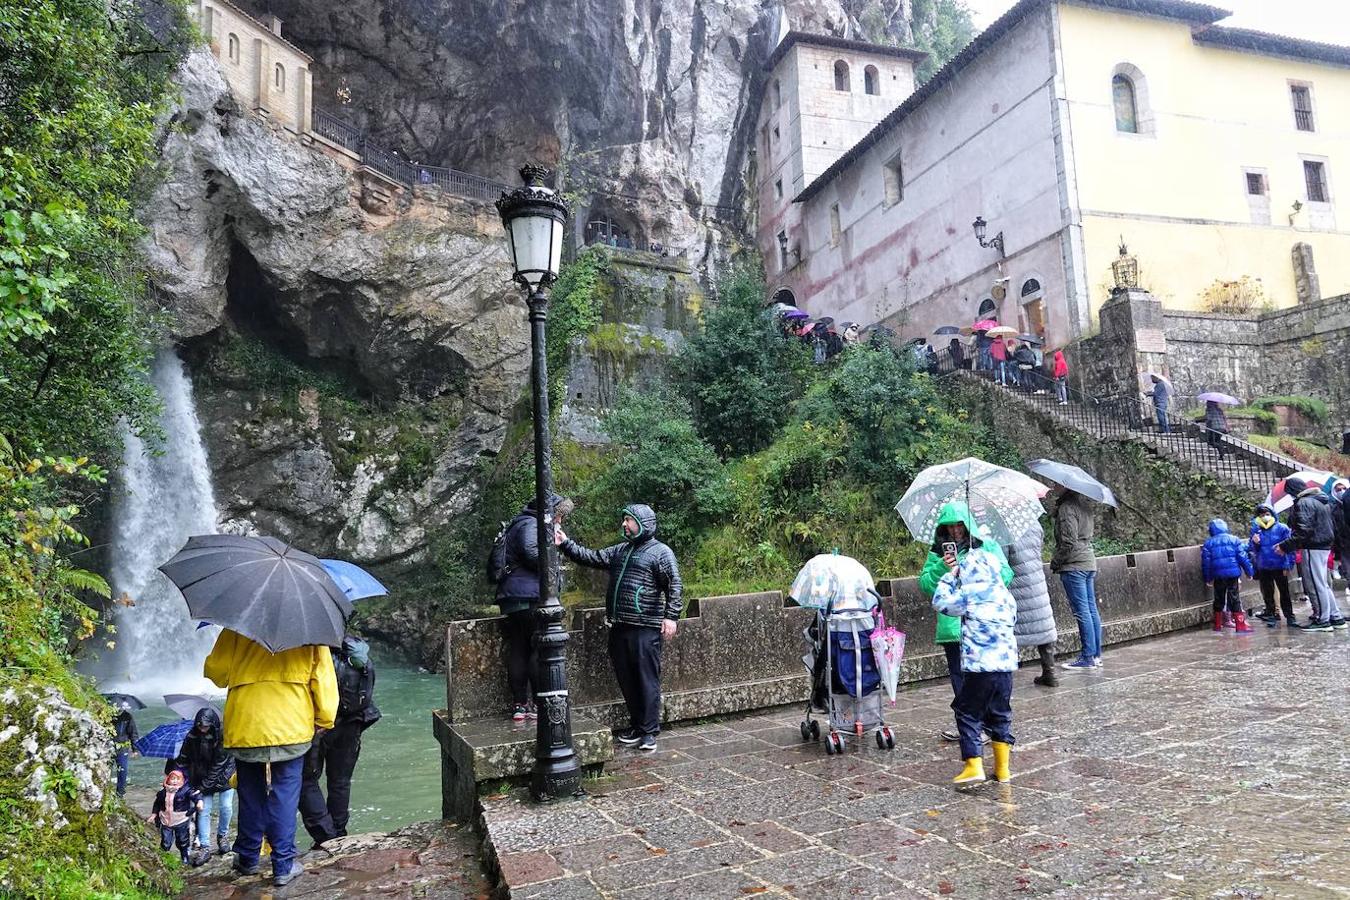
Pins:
x,y
834,582
1004,502
164,740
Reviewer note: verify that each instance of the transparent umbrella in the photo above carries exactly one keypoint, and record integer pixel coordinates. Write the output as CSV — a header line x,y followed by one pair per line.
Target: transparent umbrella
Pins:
x,y
835,583
1005,502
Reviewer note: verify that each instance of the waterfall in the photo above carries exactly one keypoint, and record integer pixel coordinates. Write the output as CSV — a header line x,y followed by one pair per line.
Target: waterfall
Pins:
x,y
159,500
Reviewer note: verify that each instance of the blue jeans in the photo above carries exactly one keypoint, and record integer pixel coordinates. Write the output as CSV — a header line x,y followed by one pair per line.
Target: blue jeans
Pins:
x,y
122,756
1082,590
984,703
1161,411
268,812
223,804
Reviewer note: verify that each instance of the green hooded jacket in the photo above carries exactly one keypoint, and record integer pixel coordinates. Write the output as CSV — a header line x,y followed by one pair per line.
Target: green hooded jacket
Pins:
x,y
948,627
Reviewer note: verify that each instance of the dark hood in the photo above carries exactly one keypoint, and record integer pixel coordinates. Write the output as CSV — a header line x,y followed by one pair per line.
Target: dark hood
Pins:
x,y
646,519
1265,508
553,501
207,715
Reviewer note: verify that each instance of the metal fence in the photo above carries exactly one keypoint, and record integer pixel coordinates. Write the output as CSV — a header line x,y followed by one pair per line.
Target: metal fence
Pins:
x,y
1131,417
387,162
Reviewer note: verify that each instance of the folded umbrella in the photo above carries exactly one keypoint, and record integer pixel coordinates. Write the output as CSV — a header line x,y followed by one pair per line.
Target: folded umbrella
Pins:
x,y
1216,397
188,705
1006,503
834,582
356,582
1073,478
124,701
888,649
164,740
261,587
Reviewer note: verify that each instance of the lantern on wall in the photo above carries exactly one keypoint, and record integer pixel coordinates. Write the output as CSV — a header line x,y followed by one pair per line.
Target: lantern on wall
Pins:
x,y
1125,268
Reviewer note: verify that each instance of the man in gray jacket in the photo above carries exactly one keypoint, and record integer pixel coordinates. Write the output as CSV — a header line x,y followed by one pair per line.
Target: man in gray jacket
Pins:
x,y
642,604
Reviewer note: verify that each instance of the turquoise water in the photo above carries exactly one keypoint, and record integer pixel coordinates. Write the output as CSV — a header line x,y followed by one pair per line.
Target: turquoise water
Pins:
x,y
398,778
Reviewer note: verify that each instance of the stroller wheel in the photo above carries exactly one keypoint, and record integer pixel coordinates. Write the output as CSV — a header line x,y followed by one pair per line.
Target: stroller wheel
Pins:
x,y
829,744
885,733
815,730
806,732
881,741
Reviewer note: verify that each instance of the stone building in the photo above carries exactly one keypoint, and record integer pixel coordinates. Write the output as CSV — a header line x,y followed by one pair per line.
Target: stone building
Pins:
x,y
268,73
1069,125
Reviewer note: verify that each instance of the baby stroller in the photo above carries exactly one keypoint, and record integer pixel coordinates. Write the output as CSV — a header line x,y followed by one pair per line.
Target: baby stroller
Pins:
x,y
845,683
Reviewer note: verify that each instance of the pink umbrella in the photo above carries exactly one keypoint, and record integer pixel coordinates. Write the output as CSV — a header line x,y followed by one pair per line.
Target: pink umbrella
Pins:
x,y
984,325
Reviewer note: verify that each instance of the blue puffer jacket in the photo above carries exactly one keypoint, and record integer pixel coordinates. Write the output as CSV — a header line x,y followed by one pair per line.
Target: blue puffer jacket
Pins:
x,y
1263,553
1224,555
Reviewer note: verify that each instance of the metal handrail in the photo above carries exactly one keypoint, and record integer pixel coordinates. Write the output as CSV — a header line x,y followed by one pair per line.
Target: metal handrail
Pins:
x,y
386,162
1127,417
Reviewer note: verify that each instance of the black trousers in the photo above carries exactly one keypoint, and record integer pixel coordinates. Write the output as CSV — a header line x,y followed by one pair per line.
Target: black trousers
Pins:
x,y
1271,579
1226,595
179,835
636,654
953,653
984,704
335,750
518,630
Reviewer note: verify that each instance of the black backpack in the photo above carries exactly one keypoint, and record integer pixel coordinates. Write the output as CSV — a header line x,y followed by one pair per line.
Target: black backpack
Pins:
x,y
355,690
497,568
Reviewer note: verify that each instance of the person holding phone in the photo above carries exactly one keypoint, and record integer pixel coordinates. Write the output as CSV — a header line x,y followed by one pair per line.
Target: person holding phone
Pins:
x,y
956,534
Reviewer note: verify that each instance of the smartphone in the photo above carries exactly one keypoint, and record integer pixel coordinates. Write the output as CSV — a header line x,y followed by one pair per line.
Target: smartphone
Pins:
x,y
949,548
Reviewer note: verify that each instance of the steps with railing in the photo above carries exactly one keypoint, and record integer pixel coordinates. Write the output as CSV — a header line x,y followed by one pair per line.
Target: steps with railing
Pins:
x,y
1222,455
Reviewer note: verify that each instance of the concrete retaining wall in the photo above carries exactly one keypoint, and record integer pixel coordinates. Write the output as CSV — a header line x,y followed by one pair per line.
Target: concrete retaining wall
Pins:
x,y
741,653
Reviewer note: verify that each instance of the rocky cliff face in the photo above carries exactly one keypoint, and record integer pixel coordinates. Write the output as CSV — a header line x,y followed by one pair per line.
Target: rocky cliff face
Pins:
x,y
353,367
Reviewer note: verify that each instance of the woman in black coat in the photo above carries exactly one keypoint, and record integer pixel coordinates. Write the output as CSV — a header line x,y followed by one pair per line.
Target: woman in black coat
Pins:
x,y
209,769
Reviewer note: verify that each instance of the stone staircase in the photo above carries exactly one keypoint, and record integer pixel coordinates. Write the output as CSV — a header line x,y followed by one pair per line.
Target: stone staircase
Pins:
x,y
1234,461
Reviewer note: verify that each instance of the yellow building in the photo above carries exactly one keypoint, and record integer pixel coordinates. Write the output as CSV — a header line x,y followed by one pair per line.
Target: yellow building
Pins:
x,y
268,73
1216,154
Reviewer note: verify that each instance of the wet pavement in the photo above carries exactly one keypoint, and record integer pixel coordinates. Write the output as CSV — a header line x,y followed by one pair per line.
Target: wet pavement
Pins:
x,y
1194,765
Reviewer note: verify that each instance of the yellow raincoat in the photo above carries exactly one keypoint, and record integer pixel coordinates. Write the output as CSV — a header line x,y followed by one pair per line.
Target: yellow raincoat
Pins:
x,y
275,699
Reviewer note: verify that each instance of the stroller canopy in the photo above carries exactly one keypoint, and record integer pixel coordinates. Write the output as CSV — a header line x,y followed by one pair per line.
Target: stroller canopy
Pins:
x,y
834,583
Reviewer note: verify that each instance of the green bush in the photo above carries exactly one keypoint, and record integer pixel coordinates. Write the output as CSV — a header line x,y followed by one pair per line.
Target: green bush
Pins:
x,y
737,372
1310,408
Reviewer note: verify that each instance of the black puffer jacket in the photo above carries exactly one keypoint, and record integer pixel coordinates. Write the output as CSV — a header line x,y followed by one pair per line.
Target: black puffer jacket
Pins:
x,y
644,578
1311,522
520,588
203,757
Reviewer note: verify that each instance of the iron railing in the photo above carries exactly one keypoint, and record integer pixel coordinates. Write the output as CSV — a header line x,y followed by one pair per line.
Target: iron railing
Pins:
x,y
1222,454
386,162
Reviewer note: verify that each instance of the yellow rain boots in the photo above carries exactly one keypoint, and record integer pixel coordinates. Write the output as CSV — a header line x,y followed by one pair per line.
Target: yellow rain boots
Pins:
x,y
1002,752
973,773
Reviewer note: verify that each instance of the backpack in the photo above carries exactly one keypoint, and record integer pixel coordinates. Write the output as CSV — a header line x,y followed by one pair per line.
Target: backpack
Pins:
x,y
497,568
355,690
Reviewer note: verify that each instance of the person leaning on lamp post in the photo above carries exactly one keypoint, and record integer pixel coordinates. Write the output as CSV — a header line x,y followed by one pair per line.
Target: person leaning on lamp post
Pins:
x,y
643,603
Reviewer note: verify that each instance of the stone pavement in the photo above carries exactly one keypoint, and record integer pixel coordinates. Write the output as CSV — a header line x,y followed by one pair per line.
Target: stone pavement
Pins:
x,y
1194,765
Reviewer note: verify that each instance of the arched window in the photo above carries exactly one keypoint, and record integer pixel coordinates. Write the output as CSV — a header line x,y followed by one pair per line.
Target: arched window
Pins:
x,y
987,308
233,44
279,78
1126,104
871,80
1031,288
777,93
841,75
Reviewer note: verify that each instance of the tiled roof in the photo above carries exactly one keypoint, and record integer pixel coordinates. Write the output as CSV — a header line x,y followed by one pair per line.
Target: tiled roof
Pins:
x,y
792,38
1274,44
1195,13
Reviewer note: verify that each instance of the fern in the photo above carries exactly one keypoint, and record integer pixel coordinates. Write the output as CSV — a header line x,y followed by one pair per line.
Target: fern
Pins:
x,y
84,580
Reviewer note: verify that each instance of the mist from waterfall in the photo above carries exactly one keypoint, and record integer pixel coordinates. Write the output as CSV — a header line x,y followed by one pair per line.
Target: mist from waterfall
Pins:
x,y
159,500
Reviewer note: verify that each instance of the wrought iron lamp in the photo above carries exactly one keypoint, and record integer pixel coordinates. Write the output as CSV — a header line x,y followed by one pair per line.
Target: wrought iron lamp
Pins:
x,y
534,218
1125,269
981,228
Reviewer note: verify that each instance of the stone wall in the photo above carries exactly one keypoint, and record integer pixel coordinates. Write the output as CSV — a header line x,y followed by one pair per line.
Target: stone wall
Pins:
x,y
740,653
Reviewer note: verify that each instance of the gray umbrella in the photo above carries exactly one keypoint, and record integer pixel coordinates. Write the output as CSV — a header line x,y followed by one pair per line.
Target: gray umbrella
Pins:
x,y
261,587
1073,478
188,705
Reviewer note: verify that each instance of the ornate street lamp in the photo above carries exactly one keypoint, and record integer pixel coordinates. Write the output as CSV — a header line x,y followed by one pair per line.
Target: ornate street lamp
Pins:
x,y
1125,268
981,226
534,217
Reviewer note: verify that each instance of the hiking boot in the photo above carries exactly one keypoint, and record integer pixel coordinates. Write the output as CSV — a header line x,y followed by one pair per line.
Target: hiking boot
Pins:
x,y
647,744
223,844
1079,665
297,869
1267,616
240,869
628,737
1046,679
200,857
1339,624
518,715
1319,626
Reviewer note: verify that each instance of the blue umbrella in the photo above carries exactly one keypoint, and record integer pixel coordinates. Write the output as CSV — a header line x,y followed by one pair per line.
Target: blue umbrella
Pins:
x,y
165,740
355,581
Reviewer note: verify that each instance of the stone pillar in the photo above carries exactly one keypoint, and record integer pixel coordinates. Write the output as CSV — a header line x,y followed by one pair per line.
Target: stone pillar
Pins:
x,y
1306,283
1132,333
303,97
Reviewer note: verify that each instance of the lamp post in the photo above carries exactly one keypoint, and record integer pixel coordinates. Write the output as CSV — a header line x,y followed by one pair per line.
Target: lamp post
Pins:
x,y
1125,270
981,227
534,217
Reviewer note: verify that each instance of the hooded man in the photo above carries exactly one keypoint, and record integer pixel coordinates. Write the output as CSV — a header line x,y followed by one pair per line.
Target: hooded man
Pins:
x,y
515,569
1272,564
339,747
209,770
1313,531
643,603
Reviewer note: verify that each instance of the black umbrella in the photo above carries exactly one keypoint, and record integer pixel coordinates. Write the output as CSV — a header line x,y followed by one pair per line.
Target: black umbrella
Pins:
x,y
261,587
947,329
124,701
1030,339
